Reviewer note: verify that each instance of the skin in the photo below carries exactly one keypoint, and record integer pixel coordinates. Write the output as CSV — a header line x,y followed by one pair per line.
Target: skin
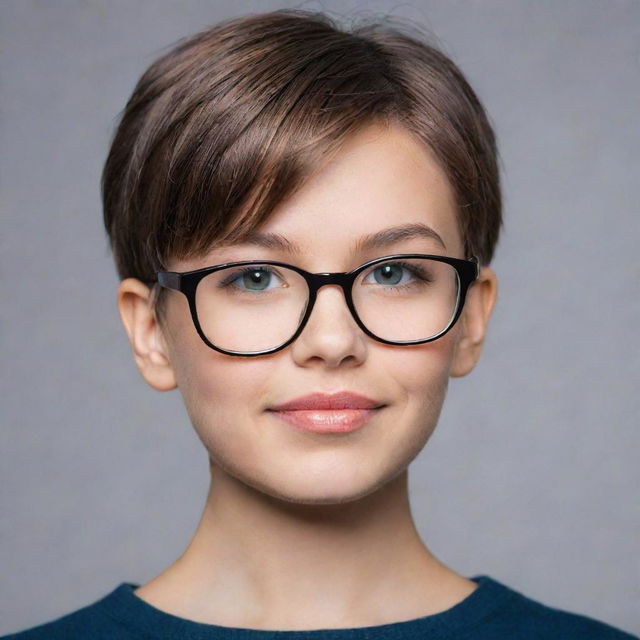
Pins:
x,y
301,531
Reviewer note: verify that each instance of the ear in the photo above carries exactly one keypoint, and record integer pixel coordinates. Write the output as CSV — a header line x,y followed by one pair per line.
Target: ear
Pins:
x,y
481,298
147,342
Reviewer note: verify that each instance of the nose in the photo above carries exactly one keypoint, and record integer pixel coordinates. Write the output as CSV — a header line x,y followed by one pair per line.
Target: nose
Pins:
x,y
331,333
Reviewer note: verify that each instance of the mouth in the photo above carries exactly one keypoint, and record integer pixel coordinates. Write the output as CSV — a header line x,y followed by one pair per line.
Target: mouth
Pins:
x,y
334,421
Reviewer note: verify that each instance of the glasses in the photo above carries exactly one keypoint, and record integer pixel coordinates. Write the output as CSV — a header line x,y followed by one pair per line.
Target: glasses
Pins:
x,y
257,307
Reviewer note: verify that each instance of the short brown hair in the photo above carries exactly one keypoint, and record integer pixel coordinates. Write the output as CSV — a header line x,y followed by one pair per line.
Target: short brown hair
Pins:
x,y
232,120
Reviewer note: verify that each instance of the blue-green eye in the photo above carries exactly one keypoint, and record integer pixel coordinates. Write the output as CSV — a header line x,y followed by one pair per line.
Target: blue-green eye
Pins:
x,y
391,273
251,279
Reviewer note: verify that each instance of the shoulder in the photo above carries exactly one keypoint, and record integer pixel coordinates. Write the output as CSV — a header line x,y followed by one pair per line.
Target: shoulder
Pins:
x,y
91,621
524,617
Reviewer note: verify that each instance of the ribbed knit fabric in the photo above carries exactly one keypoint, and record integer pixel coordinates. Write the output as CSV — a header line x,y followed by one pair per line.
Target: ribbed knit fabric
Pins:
x,y
493,611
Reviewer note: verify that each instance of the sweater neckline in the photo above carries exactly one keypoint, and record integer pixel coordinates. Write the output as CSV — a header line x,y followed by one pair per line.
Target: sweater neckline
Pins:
x,y
135,613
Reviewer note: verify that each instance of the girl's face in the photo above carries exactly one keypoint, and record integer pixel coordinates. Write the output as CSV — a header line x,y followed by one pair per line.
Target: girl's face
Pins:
x,y
381,178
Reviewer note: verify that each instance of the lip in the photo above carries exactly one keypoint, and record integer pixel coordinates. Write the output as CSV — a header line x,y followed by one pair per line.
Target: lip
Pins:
x,y
328,402
341,412
331,421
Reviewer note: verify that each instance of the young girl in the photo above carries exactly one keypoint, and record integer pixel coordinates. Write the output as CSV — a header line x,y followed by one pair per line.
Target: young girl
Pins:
x,y
303,219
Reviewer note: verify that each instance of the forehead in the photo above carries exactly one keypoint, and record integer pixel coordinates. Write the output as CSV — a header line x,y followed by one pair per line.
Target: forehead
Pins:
x,y
382,192
380,239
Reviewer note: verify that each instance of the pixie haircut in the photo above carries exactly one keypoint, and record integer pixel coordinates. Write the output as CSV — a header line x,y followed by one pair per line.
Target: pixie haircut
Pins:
x,y
231,121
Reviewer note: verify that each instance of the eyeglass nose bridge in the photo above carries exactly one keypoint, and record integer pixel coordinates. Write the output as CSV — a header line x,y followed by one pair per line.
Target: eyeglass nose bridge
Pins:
x,y
316,281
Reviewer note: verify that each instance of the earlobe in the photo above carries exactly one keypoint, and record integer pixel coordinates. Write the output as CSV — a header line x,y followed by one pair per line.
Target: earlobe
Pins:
x,y
474,320
147,344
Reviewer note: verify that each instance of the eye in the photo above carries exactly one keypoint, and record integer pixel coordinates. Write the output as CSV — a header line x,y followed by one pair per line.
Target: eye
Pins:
x,y
253,278
399,274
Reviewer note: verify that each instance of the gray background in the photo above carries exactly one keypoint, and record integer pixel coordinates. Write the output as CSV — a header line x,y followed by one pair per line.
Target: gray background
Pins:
x,y
531,476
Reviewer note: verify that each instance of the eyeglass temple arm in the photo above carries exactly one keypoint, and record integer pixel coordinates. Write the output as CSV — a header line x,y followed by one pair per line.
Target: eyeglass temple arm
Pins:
x,y
477,262
168,280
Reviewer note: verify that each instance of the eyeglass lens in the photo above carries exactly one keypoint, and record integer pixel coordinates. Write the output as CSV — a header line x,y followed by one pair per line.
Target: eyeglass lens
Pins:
x,y
259,307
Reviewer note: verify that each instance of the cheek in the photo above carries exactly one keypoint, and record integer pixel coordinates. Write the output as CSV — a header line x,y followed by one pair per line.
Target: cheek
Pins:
x,y
222,395
214,386
421,377
423,371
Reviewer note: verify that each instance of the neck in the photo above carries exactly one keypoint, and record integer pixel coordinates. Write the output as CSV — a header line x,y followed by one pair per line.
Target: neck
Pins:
x,y
257,561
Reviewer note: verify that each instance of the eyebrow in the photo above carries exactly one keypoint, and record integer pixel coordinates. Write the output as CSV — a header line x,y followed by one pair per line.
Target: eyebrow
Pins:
x,y
377,240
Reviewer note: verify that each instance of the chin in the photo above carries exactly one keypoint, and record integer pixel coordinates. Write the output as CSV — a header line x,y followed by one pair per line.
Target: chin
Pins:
x,y
324,488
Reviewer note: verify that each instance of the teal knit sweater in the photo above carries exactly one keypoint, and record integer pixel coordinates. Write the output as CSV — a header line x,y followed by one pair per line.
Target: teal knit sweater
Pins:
x,y
493,611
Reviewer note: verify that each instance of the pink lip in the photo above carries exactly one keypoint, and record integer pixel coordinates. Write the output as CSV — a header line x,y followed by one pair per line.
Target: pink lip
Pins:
x,y
333,421
324,401
340,412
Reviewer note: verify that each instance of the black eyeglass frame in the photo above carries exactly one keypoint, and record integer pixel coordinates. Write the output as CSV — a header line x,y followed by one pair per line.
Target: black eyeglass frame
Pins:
x,y
187,282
